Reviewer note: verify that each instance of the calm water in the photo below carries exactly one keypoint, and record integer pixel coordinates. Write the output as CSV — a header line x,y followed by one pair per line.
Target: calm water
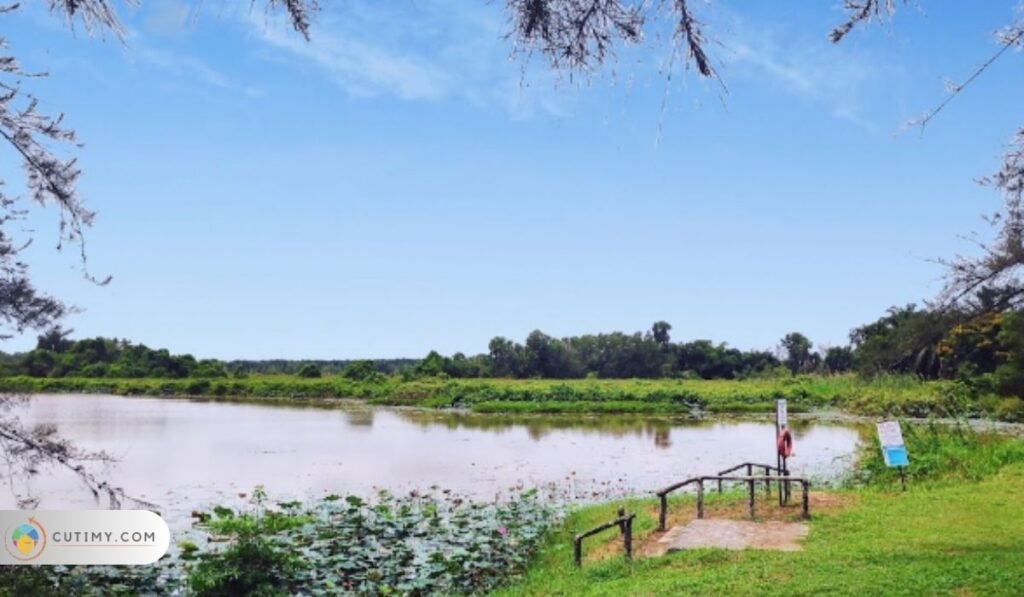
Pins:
x,y
184,455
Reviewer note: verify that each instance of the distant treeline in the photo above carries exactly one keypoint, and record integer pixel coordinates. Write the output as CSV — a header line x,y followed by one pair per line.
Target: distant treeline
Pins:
x,y
56,355
983,344
327,367
614,355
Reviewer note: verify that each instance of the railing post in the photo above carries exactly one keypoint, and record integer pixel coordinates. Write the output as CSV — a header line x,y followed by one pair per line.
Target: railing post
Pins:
x,y
778,484
750,485
719,486
628,538
767,482
663,513
700,499
806,501
577,551
750,470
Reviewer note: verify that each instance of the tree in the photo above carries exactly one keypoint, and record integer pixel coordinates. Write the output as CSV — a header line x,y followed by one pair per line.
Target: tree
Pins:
x,y
506,357
359,370
798,351
839,359
660,330
54,340
431,366
904,340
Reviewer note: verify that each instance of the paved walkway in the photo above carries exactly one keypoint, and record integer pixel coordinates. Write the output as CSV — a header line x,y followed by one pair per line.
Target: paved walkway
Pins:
x,y
732,534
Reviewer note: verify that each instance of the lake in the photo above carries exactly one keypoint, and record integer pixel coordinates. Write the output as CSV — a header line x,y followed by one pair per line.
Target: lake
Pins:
x,y
184,454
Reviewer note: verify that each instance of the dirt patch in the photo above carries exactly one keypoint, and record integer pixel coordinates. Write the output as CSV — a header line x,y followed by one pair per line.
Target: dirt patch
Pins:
x,y
827,503
766,509
732,534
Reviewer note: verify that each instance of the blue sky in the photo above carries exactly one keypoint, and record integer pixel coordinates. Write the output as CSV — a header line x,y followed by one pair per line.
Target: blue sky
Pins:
x,y
399,184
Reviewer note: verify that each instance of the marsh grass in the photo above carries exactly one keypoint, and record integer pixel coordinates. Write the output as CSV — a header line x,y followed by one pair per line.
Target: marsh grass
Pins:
x,y
883,395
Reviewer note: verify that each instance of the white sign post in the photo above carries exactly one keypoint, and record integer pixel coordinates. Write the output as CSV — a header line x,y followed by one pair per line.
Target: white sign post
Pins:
x,y
781,414
781,421
894,451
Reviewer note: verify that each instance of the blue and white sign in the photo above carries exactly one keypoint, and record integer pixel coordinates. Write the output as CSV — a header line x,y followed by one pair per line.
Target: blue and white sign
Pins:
x,y
893,449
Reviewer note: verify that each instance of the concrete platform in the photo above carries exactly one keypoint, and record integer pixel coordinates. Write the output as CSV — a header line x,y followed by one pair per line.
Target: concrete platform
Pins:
x,y
732,534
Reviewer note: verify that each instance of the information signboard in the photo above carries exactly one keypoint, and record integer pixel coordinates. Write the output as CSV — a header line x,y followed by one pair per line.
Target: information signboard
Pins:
x,y
893,449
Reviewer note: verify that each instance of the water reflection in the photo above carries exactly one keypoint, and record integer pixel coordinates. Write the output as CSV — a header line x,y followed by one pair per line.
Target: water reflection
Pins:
x,y
359,418
184,454
540,426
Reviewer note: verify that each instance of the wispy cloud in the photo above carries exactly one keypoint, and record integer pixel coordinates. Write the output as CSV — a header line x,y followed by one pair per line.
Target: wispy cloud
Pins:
x,y
427,51
360,68
168,17
808,68
179,64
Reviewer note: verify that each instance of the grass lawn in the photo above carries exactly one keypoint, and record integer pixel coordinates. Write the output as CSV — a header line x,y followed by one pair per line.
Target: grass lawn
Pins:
x,y
953,536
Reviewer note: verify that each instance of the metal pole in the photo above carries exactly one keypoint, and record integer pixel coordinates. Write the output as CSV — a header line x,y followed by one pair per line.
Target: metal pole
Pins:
x,y
785,473
903,478
577,551
778,472
663,513
778,457
628,538
767,483
750,485
806,501
700,499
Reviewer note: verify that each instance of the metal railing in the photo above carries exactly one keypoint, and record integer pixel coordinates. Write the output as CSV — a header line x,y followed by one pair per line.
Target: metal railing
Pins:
x,y
767,468
750,480
625,524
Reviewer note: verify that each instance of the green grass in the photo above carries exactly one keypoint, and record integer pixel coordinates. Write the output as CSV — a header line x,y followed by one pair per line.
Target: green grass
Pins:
x,y
959,529
880,396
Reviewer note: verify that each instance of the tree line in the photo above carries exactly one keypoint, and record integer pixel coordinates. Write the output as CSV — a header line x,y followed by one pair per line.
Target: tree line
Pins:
x,y
56,355
981,343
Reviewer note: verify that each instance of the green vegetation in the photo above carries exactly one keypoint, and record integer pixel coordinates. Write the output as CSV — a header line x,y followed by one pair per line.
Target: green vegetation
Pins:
x,y
882,395
417,544
951,362
959,529
309,370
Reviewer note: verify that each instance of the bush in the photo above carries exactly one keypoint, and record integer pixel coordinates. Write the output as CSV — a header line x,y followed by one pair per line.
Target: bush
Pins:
x,y
1010,410
359,370
309,370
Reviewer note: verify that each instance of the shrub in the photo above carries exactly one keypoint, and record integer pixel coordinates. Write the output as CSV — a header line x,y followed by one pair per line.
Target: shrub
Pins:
x,y
309,370
1011,410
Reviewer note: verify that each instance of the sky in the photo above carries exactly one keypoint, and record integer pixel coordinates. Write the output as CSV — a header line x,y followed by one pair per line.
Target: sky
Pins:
x,y
403,183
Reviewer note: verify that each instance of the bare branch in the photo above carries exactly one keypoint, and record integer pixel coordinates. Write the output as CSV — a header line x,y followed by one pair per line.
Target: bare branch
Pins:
x,y
689,32
1008,38
574,34
1002,261
862,11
